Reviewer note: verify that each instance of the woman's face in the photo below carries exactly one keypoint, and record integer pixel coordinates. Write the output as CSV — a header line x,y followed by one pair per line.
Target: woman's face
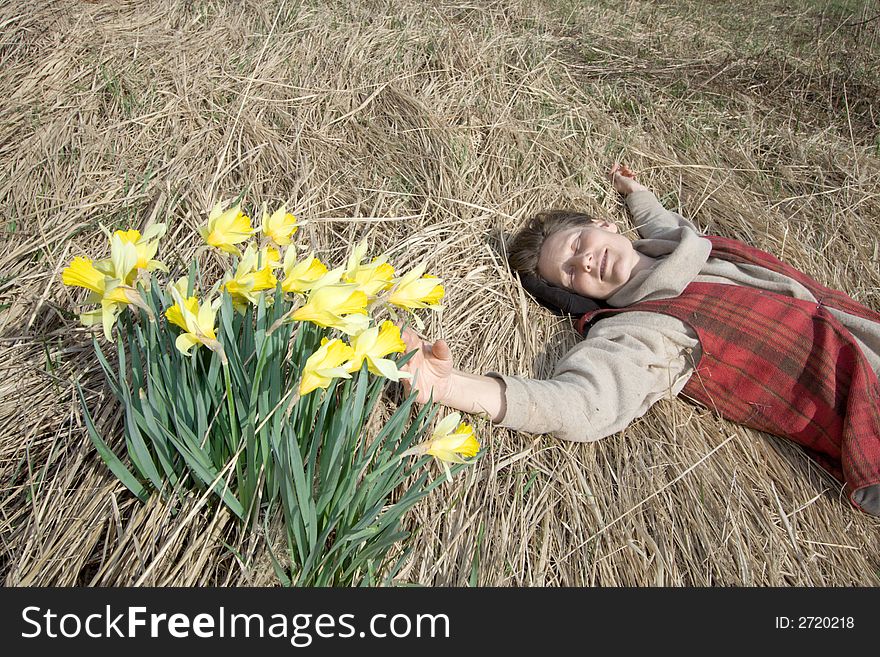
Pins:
x,y
594,260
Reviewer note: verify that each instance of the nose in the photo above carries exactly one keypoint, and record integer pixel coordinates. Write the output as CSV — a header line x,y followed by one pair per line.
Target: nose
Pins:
x,y
585,261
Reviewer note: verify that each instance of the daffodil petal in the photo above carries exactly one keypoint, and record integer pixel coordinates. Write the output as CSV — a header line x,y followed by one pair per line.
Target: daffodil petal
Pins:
x,y
83,273
185,342
447,424
387,368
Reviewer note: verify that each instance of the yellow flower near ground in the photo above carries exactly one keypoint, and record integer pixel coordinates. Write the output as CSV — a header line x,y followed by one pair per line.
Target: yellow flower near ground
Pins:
x,y
301,276
372,345
196,320
174,314
226,228
279,226
342,307
105,280
371,278
325,365
122,262
449,443
146,246
415,291
82,273
248,281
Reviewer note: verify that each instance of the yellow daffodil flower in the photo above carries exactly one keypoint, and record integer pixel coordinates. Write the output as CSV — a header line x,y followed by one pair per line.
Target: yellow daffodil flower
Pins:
x,y
146,245
343,307
248,281
449,442
174,314
279,226
371,278
372,345
105,281
415,291
301,276
122,261
325,365
226,228
82,273
197,322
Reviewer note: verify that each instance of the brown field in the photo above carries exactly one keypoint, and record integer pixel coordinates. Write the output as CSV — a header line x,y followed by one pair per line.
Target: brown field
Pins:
x,y
434,129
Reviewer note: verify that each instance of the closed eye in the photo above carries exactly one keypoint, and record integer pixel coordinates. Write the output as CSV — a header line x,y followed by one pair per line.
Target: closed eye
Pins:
x,y
569,271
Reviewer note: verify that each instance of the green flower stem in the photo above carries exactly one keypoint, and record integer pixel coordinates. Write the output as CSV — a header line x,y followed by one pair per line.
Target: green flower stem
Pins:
x,y
230,403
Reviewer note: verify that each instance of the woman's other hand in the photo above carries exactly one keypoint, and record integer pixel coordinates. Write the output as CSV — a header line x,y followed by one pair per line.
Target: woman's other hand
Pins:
x,y
624,180
431,367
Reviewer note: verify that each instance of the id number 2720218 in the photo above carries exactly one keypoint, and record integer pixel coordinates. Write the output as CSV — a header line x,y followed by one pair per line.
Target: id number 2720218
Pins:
x,y
815,622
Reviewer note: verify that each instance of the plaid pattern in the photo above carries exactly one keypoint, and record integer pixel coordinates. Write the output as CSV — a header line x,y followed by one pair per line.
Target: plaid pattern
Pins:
x,y
782,365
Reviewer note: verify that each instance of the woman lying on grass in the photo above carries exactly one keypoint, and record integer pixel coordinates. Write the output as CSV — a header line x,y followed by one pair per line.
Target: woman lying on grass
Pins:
x,y
712,319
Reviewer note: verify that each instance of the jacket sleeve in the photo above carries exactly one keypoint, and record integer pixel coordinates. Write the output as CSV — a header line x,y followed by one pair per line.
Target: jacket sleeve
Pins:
x,y
651,219
627,362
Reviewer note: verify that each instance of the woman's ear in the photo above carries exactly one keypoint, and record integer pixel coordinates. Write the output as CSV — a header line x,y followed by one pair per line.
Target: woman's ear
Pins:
x,y
606,225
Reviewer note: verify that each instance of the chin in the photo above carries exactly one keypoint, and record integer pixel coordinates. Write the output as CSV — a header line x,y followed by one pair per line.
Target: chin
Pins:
x,y
594,297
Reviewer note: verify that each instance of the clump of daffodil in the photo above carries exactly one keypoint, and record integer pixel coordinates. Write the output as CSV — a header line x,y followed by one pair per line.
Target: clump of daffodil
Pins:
x,y
325,365
196,320
372,278
417,291
146,245
226,228
301,276
342,307
252,275
372,345
449,443
105,280
279,226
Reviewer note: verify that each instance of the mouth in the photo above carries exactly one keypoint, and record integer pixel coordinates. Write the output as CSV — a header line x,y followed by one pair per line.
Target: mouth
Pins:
x,y
603,265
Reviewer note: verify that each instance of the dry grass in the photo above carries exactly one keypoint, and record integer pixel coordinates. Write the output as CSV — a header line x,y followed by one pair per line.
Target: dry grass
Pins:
x,y
434,129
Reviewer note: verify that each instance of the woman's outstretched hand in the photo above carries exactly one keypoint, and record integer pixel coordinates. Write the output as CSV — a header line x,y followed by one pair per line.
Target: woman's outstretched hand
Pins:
x,y
431,367
624,180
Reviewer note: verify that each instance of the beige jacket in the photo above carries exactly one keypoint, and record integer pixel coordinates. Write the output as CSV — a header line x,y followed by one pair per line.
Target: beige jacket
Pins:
x,y
631,360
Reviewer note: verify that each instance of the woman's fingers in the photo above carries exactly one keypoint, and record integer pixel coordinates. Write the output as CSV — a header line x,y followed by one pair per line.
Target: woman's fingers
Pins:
x,y
440,350
621,169
410,339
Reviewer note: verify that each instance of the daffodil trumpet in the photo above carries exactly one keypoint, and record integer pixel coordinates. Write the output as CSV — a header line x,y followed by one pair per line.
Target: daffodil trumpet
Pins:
x,y
280,226
303,276
449,443
197,321
227,228
342,307
416,290
370,278
325,365
252,276
372,345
